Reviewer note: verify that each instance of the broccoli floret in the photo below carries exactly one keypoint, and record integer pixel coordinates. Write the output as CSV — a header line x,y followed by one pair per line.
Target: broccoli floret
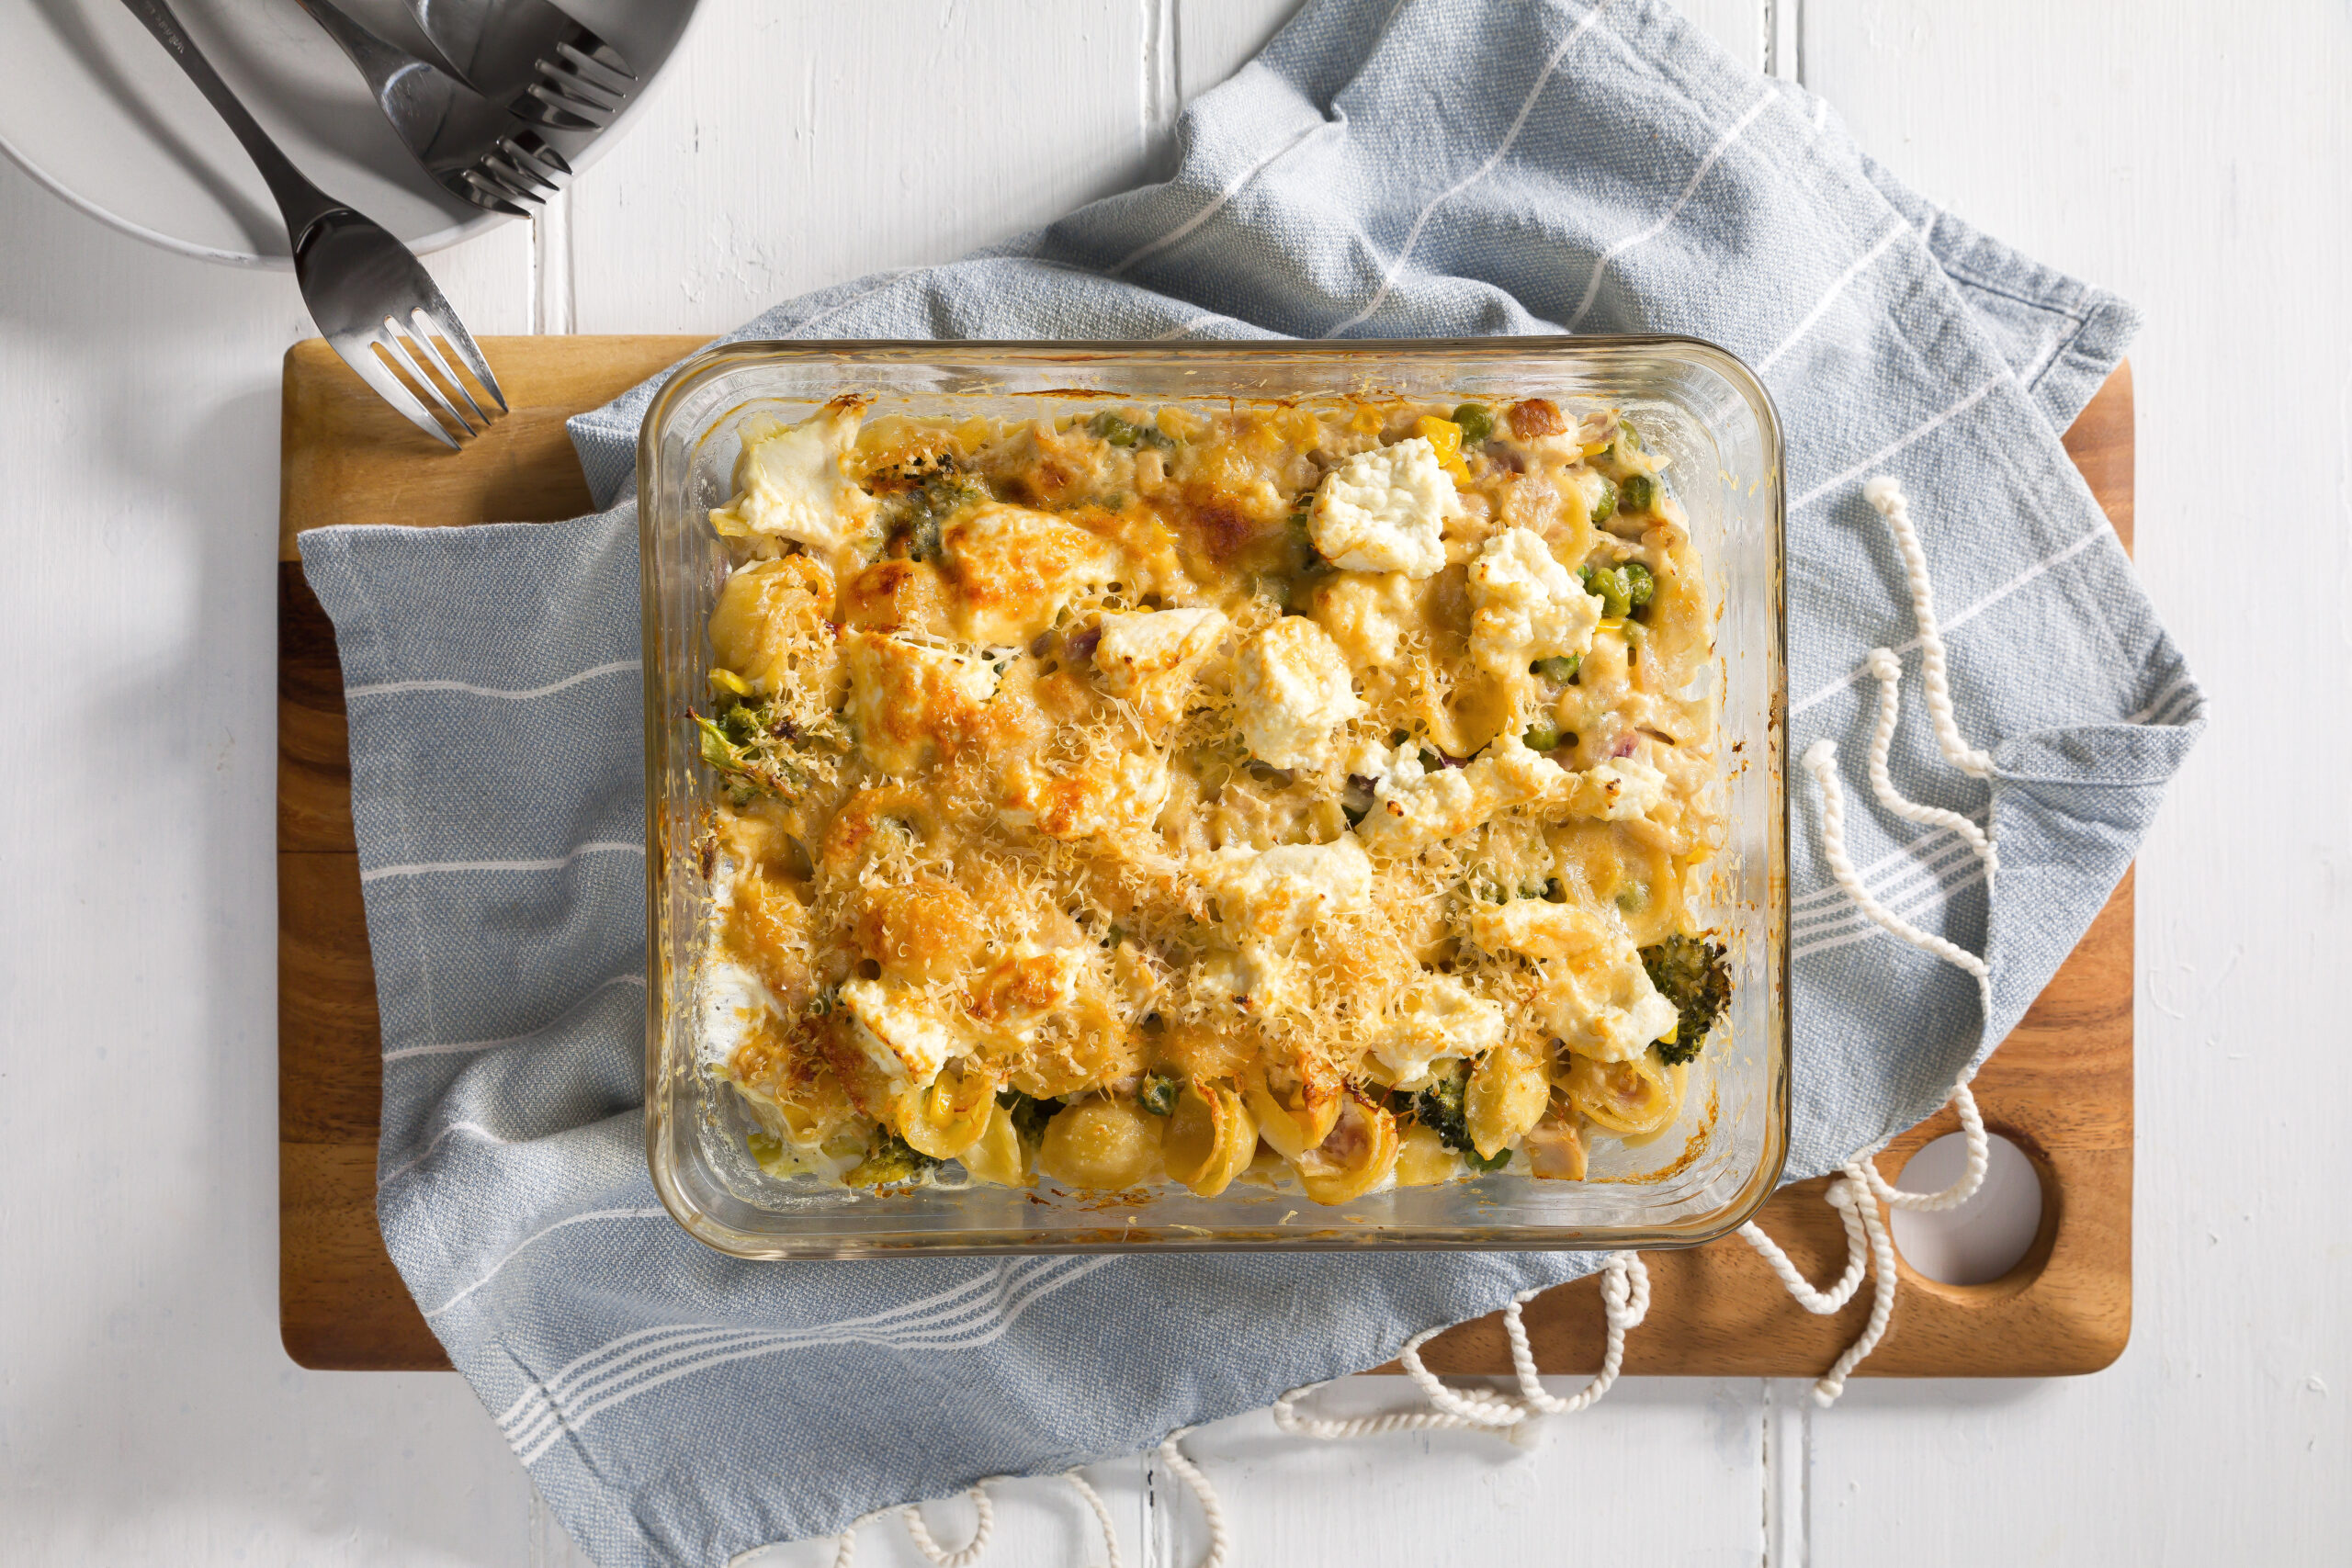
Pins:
x,y
1109,427
919,495
753,745
1029,1113
888,1158
1159,1090
1437,1106
1691,973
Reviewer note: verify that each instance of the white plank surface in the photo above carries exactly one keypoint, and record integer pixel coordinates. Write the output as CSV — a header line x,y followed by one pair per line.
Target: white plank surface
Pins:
x,y
2192,156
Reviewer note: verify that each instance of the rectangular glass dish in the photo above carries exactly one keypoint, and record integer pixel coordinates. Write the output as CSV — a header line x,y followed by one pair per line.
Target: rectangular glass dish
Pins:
x,y
1696,405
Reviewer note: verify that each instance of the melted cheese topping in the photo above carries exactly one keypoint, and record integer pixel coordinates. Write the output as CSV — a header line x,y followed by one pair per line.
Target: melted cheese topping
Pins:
x,y
1127,760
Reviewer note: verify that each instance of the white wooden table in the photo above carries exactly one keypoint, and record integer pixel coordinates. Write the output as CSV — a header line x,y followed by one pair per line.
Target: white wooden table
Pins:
x,y
2195,157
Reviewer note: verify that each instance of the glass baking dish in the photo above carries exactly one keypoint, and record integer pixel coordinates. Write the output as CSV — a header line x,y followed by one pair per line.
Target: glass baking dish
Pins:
x,y
1694,402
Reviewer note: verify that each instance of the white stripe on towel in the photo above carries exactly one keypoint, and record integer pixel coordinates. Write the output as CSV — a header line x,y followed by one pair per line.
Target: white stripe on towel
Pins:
x,y
2097,533
526,1421
393,688
513,1251
1502,149
418,868
565,1376
1868,929
460,1047
1006,1316
1722,145
1831,891
1900,442
1233,187
1895,232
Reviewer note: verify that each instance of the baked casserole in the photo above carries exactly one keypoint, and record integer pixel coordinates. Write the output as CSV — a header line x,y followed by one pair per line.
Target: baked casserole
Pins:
x,y
1311,792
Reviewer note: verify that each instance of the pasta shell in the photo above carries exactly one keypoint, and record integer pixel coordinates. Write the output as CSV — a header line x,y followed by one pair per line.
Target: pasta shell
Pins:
x,y
1357,1155
1101,1145
1626,1097
997,1155
1507,1095
1209,1139
949,1115
1296,1110
1424,1160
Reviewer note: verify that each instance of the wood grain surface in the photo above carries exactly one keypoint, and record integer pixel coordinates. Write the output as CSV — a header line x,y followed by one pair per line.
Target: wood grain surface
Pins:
x,y
2060,1087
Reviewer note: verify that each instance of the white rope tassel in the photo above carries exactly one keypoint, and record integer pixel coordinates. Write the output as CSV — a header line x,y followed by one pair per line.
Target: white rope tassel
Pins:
x,y
1885,494
970,1552
1833,1383
1821,762
1821,1303
845,1554
1172,1453
1102,1517
1889,671
1624,1302
1971,1176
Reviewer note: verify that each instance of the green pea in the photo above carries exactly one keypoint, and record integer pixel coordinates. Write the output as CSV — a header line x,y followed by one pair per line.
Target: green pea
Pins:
x,y
1541,736
1110,427
1636,492
1478,423
1486,1165
1561,668
1627,436
1640,586
1605,507
1608,585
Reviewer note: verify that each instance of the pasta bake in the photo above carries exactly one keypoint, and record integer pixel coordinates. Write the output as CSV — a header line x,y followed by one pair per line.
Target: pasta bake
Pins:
x,y
1314,794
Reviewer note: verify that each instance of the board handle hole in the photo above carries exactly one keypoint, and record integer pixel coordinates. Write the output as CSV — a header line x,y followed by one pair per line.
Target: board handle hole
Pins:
x,y
1982,1240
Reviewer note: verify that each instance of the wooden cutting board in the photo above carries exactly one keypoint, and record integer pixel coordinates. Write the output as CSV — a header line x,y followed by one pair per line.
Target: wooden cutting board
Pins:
x,y
2060,1087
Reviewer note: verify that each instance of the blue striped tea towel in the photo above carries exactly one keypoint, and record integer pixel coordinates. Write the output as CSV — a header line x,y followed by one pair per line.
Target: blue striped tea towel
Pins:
x,y
1384,169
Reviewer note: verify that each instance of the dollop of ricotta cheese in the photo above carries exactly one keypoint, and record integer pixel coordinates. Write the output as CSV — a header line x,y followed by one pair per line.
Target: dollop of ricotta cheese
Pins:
x,y
1293,691
901,1031
1524,605
789,483
1152,657
1437,1017
1386,510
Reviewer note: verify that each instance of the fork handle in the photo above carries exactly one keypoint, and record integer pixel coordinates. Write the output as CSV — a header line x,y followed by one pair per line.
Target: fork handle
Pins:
x,y
300,202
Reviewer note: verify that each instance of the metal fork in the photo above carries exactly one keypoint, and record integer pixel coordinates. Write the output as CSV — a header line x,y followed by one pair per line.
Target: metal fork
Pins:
x,y
471,147
531,55
375,305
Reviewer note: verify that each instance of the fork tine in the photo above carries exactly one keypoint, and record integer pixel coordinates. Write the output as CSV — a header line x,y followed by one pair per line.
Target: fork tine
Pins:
x,y
485,192
360,355
525,145
395,341
537,103
522,177
603,57
579,88
422,332
444,322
